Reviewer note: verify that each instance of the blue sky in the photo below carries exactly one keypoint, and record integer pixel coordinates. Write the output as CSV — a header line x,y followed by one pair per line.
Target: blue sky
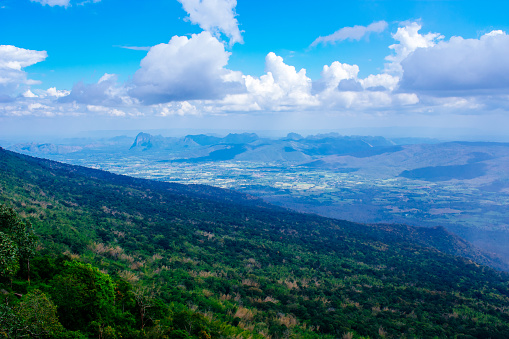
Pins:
x,y
70,65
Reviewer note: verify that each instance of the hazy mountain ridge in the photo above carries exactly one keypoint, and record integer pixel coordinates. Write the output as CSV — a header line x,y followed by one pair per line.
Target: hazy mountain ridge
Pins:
x,y
393,161
372,155
36,148
292,148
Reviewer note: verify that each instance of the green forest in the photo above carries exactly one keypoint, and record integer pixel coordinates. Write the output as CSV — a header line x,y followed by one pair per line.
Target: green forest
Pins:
x,y
89,254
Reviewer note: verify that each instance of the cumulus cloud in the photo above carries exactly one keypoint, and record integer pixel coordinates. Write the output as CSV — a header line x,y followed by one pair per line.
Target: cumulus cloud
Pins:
x,y
282,87
115,112
335,73
176,108
381,81
409,39
30,108
105,92
340,89
13,79
185,69
54,92
344,77
29,94
351,33
215,16
52,3
189,76
468,66
15,58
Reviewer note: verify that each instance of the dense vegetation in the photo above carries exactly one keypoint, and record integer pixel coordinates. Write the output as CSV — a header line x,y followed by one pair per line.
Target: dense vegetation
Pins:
x,y
124,257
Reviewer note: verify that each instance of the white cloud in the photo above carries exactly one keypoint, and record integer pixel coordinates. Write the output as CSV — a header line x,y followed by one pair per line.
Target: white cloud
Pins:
x,y
189,76
29,94
106,110
15,58
135,48
384,81
116,112
460,66
363,100
295,85
88,2
282,87
215,16
53,92
406,98
185,69
95,108
344,78
40,110
41,105
51,3
176,108
63,3
409,40
37,106
107,78
332,75
13,79
105,92
351,33
495,33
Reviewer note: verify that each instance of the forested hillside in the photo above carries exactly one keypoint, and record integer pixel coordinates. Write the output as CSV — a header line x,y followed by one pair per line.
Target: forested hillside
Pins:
x,y
123,257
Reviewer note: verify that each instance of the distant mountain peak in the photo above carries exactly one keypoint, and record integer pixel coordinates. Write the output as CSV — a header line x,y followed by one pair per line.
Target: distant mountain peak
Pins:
x,y
239,138
293,136
143,140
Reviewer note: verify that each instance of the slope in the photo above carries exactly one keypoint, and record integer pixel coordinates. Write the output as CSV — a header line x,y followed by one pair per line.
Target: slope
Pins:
x,y
265,270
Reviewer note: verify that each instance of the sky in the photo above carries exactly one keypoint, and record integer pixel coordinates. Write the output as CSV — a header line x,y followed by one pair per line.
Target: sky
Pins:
x,y
423,68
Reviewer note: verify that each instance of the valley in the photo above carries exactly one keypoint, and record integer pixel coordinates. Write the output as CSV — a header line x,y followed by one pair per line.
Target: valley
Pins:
x,y
330,175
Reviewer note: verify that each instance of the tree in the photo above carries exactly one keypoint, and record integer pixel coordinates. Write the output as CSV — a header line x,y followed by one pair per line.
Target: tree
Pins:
x,y
39,315
35,316
17,242
9,261
83,295
144,297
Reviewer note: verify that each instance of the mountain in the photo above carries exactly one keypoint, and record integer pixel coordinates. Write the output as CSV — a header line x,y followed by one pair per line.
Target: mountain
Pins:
x,y
249,147
194,261
291,149
235,146
430,162
239,138
77,146
143,140
204,140
293,136
46,148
